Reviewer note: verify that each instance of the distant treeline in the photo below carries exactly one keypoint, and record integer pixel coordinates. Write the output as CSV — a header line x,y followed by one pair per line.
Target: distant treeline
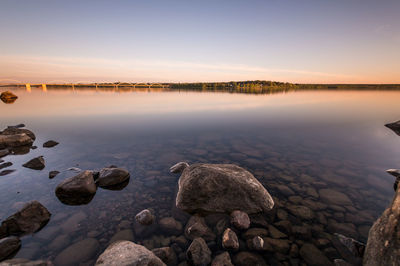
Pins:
x,y
262,86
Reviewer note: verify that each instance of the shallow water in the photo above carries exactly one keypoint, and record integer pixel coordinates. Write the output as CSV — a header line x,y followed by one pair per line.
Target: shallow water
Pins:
x,y
305,141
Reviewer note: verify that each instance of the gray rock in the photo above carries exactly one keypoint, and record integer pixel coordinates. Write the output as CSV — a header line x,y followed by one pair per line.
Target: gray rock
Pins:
x,y
179,167
170,226
221,188
35,164
112,176
9,246
383,246
198,252
167,255
222,259
313,256
197,227
77,253
126,253
25,262
230,240
240,220
31,218
245,258
77,190
50,144
145,217
395,127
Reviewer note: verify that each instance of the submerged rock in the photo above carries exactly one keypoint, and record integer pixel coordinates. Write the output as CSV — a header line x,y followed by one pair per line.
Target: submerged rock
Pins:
x,y
112,176
4,152
222,259
245,258
9,246
50,144
145,217
77,253
35,164
334,197
53,174
166,254
313,256
240,220
221,188
197,227
77,190
170,226
124,253
198,252
31,218
394,126
383,246
25,262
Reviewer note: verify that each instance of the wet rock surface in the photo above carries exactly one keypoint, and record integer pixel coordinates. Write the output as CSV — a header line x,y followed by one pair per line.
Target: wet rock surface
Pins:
x,y
240,220
221,188
198,252
31,218
50,144
112,176
77,190
9,246
53,174
145,217
8,97
128,253
36,163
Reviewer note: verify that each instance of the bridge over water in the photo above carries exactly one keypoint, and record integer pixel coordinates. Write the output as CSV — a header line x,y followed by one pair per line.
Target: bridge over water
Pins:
x,y
115,86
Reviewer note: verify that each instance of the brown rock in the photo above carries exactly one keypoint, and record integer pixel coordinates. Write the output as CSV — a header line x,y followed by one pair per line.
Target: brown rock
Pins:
x,y
145,217
245,258
230,240
222,259
170,226
36,163
77,190
9,246
50,144
166,254
196,227
240,220
313,256
331,196
16,140
112,176
198,252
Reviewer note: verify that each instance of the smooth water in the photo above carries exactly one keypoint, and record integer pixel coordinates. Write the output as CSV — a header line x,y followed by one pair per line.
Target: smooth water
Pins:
x,y
295,143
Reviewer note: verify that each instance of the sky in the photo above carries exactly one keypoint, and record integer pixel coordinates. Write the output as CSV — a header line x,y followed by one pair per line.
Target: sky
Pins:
x,y
299,41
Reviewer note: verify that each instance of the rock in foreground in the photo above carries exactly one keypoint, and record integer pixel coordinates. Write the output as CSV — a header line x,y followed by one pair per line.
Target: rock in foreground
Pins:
x,y
383,246
198,252
222,188
123,253
77,190
31,218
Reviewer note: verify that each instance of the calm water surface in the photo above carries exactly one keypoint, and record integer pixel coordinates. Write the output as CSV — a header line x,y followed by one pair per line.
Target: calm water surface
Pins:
x,y
295,143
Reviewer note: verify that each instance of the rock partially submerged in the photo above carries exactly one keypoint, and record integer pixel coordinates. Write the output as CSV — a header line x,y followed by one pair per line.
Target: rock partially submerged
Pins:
x,y
31,218
25,262
112,176
9,246
35,164
8,97
124,253
394,126
50,144
395,173
13,141
383,246
211,188
78,252
17,130
77,190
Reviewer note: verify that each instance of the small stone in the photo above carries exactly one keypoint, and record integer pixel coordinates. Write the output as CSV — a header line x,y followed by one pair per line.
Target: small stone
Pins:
x,y
145,217
50,144
257,243
198,252
197,227
170,226
230,240
240,219
6,172
166,254
53,174
36,163
313,256
222,259
4,165
9,246
4,152
275,233
245,258
301,212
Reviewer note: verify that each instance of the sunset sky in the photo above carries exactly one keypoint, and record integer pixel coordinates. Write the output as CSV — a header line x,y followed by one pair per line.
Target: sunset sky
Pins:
x,y
305,41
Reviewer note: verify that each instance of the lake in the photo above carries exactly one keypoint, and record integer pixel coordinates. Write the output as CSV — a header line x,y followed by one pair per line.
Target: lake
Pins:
x,y
298,144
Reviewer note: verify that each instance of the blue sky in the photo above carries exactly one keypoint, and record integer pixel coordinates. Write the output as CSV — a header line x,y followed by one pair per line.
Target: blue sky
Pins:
x,y
296,41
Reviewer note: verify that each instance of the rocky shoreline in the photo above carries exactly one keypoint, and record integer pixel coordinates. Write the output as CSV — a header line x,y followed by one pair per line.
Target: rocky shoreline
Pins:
x,y
233,221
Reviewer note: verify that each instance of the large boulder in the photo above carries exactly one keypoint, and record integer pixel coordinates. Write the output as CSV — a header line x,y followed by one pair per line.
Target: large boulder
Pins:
x,y
77,190
112,176
383,246
211,188
394,126
123,253
17,140
9,246
31,218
